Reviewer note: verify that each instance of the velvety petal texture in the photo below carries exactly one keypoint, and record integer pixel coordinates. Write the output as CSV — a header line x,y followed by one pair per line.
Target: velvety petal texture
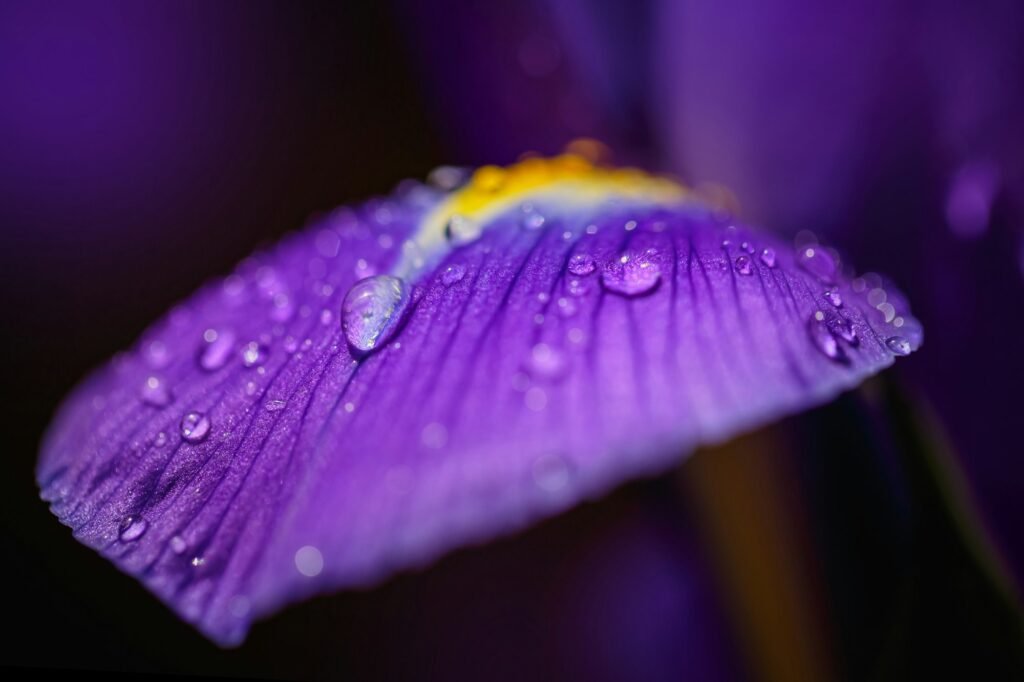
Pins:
x,y
441,367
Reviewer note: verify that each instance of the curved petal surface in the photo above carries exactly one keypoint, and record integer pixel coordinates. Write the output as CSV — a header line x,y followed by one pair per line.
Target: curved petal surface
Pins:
x,y
441,367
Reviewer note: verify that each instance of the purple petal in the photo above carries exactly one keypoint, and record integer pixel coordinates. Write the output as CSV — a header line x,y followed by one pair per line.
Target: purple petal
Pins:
x,y
437,368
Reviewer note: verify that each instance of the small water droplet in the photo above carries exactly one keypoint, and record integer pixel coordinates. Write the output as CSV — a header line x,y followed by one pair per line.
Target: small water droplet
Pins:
x,y
275,405
629,276
282,308
195,426
551,473
372,310
161,439
156,355
532,221
581,264
546,362
817,261
743,265
452,274
898,345
768,257
178,545
326,316
132,528
843,328
216,350
833,297
364,269
823,340
253,353
566,307
434,435
309,561
747,246
155,392
630,225
198,561
462,230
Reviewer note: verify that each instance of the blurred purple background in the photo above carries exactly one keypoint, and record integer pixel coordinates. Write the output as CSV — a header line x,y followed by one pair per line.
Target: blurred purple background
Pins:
x,y
145,147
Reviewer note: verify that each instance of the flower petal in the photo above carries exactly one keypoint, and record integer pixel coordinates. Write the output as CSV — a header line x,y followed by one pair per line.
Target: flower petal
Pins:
x,y
441,367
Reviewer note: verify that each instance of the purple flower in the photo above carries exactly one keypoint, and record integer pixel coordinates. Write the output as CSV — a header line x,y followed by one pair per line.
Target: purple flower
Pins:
x,y
441,367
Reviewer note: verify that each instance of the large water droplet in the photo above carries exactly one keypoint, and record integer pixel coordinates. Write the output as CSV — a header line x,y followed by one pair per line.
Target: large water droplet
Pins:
x,y
195,426
743,265
452,274
898,345
817,261
629,276
581,264
372,310
155,392
133,528
822,338
842,328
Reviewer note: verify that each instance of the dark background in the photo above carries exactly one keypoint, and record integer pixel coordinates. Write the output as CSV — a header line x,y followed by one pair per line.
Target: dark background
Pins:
x,y
145,147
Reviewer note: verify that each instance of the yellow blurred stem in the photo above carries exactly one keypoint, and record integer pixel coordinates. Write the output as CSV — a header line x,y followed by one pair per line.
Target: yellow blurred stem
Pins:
x,y
748,505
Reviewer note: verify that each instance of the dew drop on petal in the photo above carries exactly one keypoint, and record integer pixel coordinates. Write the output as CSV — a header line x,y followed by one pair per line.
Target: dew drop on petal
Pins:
x,y
372,311
178,545
743,265
823,340
817,261
768,257
833,297
631,276
216,350
155,392
253,354
195,426
898,345
133,528
843,328
532,221
453,274
309,561
275,405
581,264
462,230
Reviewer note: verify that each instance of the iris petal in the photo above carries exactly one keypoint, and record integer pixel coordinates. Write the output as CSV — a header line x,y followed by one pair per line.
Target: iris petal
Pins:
x,y
441,367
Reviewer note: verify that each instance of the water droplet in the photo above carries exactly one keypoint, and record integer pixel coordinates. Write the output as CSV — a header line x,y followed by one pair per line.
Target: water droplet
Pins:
x,y
156,355
629,276
195,426
309,561
768,257
823,340
817,261
533,221
566,307
372,310
551,473
747,246
898,345
843,328
155,392
576,288
253,353
434,435
326,316
888,311
581,264
178,545
216,350
198,561
630,225
275,405
452,274
462,230
161,439
290,344
536,399
743,265
282,309
546,362
364,269
833,297
133,528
